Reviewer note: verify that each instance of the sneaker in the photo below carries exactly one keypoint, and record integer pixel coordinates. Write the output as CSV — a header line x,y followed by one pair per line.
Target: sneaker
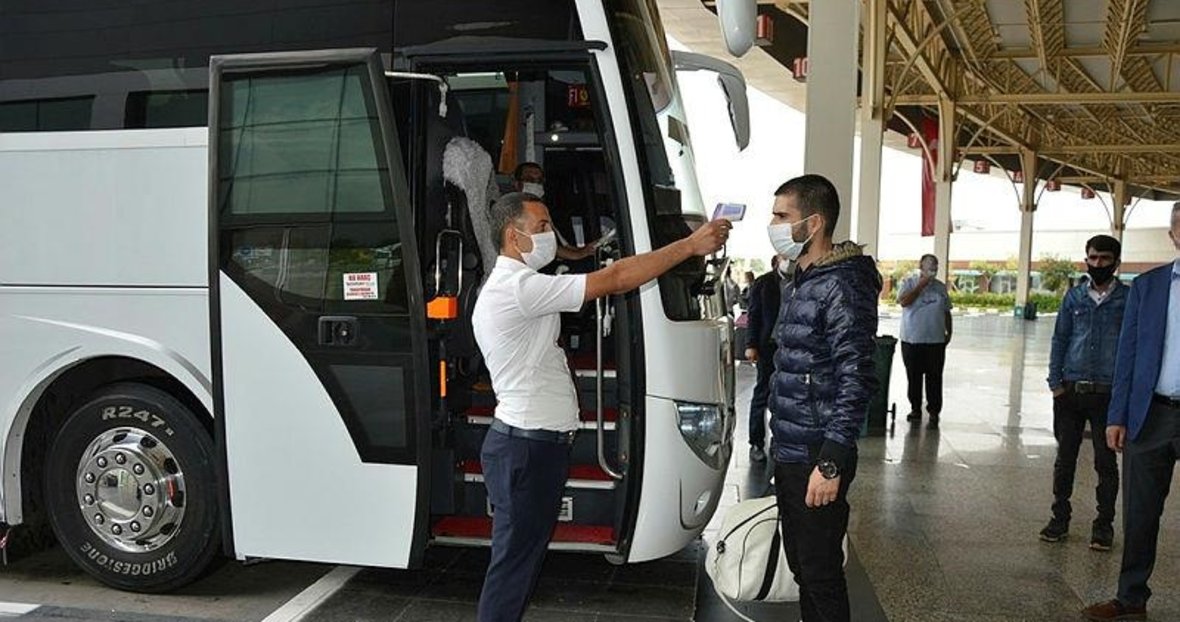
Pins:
x,y
757,455
933,423
1055,531
1102,537
1114,610
914,416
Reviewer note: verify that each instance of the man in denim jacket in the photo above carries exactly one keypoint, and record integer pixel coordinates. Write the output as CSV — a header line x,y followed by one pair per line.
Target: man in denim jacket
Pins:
x,y
1081,369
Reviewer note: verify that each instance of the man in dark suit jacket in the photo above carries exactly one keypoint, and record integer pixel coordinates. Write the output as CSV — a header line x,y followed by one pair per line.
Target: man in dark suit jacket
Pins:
x,y
764,297
1144,424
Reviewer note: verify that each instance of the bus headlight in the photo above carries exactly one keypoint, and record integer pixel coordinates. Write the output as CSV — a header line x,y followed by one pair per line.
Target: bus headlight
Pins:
x,y
703,429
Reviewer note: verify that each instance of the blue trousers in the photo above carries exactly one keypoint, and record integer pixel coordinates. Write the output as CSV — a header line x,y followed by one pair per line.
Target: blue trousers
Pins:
x,y
524,479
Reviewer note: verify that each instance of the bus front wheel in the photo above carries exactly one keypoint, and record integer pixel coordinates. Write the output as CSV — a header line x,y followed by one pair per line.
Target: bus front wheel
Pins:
x,y
130,489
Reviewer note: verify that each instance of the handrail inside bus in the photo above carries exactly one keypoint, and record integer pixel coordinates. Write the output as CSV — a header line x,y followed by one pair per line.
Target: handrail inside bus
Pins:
x,y
599,329
443,87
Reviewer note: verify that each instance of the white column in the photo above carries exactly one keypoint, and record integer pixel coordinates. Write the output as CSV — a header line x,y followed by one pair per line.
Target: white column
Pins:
x,y
1119,211
942,186
872,127
1028,208
833,33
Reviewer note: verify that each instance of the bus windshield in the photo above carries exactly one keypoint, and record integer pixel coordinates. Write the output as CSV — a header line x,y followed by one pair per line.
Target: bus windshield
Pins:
x,y
646,64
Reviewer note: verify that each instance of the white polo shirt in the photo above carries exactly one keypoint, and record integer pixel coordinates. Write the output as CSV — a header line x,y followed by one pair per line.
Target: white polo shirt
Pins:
x,y
517,323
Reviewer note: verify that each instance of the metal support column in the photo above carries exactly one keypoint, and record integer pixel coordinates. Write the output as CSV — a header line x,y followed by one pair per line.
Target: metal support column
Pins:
x,y
872,126
834,31
1028,208
1119,212
942,186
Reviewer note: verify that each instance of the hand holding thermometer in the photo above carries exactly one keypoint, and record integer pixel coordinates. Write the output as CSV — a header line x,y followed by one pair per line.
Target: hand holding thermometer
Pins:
x,y
732,212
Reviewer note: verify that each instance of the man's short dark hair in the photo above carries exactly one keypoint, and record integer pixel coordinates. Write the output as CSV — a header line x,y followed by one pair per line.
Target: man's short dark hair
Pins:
x,y
507,210
927,256
814,195
519,172
1105,244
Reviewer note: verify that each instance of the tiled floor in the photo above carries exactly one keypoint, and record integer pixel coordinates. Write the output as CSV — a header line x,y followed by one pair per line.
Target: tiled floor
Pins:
x,y
944,527
945,522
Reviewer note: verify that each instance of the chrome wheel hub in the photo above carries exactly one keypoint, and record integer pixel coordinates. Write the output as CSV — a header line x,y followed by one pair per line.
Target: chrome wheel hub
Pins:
x,y
131,490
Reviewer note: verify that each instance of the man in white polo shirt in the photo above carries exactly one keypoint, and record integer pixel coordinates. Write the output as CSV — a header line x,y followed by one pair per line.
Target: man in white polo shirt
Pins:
x,y
517,322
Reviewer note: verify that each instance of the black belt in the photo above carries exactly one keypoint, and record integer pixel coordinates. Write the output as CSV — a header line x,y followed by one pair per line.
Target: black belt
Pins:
x,y
1170,402
549,436
1084,387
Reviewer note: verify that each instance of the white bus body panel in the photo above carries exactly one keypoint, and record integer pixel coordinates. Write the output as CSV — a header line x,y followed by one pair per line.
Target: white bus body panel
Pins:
x,y
110,208
124,210
297,486
45,331
673,477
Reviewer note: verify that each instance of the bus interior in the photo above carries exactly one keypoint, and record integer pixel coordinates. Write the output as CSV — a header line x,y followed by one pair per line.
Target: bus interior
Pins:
x,y
462,156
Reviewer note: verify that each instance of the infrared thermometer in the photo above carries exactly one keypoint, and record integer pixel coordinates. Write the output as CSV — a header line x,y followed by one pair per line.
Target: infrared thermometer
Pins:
x,y
732,212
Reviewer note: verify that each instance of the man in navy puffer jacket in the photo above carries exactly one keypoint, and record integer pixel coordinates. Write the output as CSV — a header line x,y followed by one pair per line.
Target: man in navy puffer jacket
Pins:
x,y
820,389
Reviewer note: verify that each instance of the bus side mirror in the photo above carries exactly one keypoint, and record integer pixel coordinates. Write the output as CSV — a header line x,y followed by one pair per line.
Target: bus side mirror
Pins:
x,y
737,18
732,83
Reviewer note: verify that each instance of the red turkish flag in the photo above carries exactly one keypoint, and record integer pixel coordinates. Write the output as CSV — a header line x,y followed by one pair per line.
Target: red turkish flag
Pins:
x,y
929,129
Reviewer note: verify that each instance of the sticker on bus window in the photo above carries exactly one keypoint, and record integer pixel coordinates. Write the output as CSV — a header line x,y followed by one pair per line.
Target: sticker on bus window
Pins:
x,y
360,286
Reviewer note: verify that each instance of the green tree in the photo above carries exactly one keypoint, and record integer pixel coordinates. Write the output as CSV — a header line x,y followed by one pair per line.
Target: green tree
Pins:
x,y
987,271
1056,273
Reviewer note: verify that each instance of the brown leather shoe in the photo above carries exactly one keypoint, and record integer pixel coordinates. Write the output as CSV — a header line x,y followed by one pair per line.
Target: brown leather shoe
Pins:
x,y
1114,610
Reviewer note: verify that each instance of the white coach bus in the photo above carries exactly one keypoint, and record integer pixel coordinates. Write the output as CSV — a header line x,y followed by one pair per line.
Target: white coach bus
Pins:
x,y
239,246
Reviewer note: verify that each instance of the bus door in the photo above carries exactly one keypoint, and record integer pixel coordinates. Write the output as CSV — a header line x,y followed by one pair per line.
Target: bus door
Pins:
x,y
318,321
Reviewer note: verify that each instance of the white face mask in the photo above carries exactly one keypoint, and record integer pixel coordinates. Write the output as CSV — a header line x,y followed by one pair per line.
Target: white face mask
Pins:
x,y
533,188
544,249
929,271
784,267
782,238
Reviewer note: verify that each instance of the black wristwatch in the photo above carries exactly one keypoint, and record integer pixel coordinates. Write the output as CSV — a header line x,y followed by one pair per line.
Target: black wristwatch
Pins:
x,y
828,468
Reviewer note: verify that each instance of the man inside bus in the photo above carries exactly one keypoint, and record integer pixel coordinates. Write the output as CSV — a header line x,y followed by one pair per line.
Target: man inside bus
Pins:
x,y
820,390
529,178
525,455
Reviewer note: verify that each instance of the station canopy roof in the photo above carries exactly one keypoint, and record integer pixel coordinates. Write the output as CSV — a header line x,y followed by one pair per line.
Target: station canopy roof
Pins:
x,y
1091,86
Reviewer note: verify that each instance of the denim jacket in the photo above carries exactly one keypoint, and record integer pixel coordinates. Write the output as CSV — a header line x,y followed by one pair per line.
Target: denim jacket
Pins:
x,y
1086,337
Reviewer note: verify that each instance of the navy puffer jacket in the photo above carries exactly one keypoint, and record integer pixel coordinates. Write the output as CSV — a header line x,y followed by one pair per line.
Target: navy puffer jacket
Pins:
x,y
823,368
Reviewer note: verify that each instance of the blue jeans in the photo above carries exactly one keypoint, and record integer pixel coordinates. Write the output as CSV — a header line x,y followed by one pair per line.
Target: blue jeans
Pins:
x,y
524,479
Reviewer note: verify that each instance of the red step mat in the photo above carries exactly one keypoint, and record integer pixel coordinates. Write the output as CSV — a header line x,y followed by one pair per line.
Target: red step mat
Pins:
x,y
589,416
479,527
589,361
577,471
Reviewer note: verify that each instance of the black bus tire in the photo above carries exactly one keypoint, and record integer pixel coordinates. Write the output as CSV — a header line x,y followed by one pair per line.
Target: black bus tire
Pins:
x,y
194,541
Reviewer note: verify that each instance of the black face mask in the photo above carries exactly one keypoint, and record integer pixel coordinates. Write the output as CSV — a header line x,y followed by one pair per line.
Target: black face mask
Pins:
x,y
1101,276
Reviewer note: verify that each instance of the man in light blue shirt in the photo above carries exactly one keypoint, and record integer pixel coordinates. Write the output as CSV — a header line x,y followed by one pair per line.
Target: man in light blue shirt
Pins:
x,y
1144,424
925,333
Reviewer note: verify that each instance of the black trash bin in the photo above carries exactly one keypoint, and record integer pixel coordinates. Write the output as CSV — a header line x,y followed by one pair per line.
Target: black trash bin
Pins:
x,y
875,422
1030,310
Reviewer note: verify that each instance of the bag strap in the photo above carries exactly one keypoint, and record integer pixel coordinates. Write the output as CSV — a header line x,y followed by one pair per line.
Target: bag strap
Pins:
x,y
771,566
747,519
725,600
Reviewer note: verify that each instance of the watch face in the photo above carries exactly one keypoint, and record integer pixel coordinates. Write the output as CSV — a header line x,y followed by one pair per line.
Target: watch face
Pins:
x,y
828,469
